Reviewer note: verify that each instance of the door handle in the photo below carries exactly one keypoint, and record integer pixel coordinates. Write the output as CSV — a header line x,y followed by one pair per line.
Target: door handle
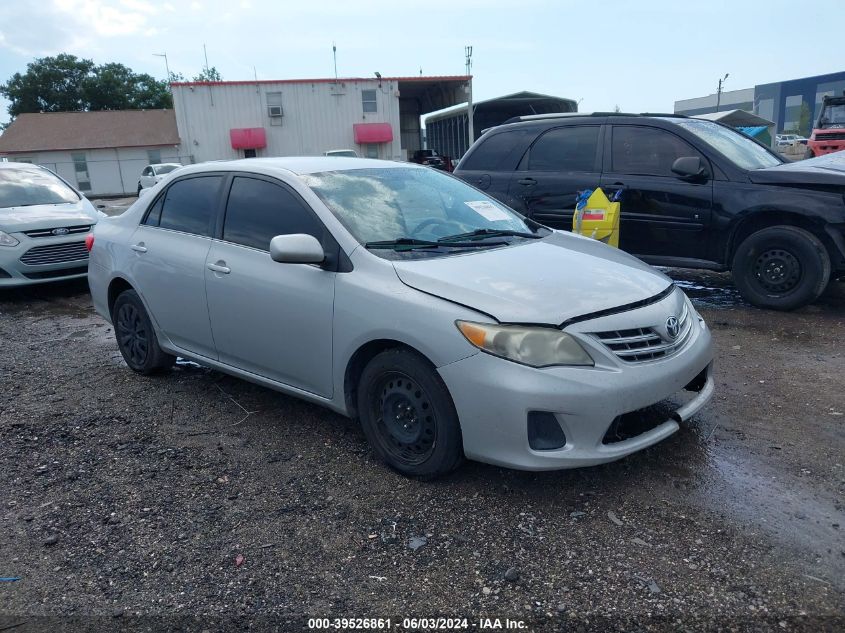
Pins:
x,y
219,267
527,181
139,247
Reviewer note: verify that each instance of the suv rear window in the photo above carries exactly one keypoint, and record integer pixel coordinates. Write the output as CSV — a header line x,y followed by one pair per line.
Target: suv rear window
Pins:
x,y
571,148
499,152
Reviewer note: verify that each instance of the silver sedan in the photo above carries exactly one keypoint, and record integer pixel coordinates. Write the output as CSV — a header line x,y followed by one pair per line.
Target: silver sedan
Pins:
x,y
450,325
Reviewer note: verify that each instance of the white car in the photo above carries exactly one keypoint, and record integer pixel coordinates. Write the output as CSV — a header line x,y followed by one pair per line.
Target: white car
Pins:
x,y
343,153
152,174
43,226
790,140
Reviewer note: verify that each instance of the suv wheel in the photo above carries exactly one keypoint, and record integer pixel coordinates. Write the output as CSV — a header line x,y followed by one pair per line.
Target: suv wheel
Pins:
x,y
781,267
136,337
408,416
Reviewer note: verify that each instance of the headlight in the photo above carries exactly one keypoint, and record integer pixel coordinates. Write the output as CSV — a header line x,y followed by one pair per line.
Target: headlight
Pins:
x,y
7,240
534,346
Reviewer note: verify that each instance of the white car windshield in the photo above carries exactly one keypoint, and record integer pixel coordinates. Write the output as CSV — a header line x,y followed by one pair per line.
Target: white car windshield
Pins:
x,y
736,147
29,187
411,203
165,169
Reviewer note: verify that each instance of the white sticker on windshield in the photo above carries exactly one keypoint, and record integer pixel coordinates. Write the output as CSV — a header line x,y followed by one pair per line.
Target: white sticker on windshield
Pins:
x,y
488,210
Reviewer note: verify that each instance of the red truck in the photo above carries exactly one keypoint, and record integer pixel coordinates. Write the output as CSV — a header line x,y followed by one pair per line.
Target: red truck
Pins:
x,y
829,134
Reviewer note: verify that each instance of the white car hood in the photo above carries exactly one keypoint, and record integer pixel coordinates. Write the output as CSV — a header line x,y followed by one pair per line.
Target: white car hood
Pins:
x,y
547,281
47,216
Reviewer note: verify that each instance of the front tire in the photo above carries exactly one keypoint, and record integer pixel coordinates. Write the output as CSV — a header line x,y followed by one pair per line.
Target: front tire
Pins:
x,y
781,268
408,415
136,337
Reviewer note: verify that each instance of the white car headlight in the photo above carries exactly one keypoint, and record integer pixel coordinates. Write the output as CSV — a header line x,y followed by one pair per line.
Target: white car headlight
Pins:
x,y
534,346
7,240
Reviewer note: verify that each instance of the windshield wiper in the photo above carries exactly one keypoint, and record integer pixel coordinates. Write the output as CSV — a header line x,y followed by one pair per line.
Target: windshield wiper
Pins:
x,y
410,243
483,233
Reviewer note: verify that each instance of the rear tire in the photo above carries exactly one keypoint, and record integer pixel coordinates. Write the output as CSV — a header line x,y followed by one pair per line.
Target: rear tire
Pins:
x,y
136,337
408,415
781,268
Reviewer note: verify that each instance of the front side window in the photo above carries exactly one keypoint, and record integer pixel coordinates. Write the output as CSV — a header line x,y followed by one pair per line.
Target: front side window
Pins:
x,y
570,148
401,202
188,205
646,151
736,147
30,187
368,101
258,211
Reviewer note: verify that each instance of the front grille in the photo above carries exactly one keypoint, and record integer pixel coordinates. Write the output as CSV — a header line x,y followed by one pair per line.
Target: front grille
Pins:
x,y
55,254
71,230
830,136
642,344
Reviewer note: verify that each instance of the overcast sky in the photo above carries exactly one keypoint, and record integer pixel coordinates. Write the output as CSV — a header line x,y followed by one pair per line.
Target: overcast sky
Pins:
x,y
641,55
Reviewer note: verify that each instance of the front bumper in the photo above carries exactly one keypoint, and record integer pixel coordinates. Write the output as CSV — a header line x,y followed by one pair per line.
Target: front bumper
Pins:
x,y
493,397
59,265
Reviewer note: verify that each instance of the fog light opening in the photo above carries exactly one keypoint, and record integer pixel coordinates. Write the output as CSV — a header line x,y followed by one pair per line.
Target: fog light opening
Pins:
x,y
544,432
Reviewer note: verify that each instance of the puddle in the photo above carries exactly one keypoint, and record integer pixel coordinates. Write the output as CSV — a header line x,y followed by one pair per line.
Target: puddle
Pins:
x,y
706,288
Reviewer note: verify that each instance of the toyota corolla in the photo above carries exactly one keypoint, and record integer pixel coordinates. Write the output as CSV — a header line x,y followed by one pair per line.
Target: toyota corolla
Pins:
x,y
450,325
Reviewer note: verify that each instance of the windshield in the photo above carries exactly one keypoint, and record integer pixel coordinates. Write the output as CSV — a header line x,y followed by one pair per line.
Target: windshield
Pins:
x,y
166,169
404,203
736,147
834,116
28,187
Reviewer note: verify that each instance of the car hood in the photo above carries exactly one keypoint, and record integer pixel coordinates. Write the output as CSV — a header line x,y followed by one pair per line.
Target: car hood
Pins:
x,y
822,170
47,216
547,281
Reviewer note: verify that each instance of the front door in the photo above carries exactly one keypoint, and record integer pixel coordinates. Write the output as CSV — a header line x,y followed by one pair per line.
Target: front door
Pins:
x,y
271,319
661,215
562,162
168,258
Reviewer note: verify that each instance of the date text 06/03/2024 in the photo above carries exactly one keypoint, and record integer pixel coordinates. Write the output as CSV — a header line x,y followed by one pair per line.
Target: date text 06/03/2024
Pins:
x,y
434,624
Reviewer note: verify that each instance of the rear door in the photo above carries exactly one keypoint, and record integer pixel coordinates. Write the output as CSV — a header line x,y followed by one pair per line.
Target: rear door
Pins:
x,y
560,163
493,163
270,319
168,256
662,215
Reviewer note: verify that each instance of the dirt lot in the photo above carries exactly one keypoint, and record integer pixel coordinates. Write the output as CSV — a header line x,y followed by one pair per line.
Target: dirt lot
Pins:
x,y
193,501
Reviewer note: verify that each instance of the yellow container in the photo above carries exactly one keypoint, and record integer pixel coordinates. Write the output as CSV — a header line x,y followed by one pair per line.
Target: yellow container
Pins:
x,y
598,218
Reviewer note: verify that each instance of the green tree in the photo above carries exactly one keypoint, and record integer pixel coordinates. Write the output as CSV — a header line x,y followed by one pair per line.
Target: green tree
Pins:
x,y
65,83
804,120
209,74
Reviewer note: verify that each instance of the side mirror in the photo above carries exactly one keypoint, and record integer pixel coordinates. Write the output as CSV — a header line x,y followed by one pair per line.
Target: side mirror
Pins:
x,y
690,168
296,249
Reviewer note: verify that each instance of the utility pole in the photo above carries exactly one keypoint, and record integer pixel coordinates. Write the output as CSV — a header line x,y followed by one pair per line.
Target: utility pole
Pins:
x,y
719,91
166,65
334,54
470,123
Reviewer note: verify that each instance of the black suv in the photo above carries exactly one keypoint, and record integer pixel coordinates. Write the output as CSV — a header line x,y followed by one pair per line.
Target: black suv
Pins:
x,y
697,194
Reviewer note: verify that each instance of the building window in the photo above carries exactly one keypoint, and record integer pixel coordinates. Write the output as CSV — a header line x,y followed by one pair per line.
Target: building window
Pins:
x,y
154,156
368,100
371,150
274,108
80,167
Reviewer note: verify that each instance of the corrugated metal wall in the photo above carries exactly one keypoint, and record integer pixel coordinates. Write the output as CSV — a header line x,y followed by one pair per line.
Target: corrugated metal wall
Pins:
x,y
317,117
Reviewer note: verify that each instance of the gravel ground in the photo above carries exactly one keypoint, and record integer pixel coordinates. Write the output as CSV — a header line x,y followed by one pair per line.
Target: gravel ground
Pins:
x,y
193,501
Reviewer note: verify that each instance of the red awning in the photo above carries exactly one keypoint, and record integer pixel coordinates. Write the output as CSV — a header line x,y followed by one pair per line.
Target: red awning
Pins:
x,y
372,132
248,138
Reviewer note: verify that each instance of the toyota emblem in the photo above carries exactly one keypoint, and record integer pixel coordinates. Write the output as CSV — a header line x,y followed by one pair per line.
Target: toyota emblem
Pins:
x,y
673,327
60,231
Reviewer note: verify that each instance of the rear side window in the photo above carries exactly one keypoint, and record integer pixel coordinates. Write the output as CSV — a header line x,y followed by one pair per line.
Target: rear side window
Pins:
x,y
571,148
646,151
499,152
258,211
188,205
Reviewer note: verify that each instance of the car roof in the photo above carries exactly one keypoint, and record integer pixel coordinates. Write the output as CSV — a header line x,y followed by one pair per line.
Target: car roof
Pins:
x,y
299,164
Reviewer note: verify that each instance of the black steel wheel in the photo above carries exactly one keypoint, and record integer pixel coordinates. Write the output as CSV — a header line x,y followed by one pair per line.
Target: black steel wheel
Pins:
x,y
408,415
781,267
135,335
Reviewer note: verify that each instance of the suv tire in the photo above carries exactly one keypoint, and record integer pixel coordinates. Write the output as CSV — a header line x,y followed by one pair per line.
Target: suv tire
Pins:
x,y
408,415
781,268
136,337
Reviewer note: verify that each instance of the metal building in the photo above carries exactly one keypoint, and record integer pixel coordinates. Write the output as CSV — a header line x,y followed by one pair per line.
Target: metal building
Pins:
x,y
447,132
379,117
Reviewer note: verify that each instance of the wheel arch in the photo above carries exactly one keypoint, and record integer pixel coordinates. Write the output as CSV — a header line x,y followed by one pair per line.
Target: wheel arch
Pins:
x,y
358,361
117,286
760,219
